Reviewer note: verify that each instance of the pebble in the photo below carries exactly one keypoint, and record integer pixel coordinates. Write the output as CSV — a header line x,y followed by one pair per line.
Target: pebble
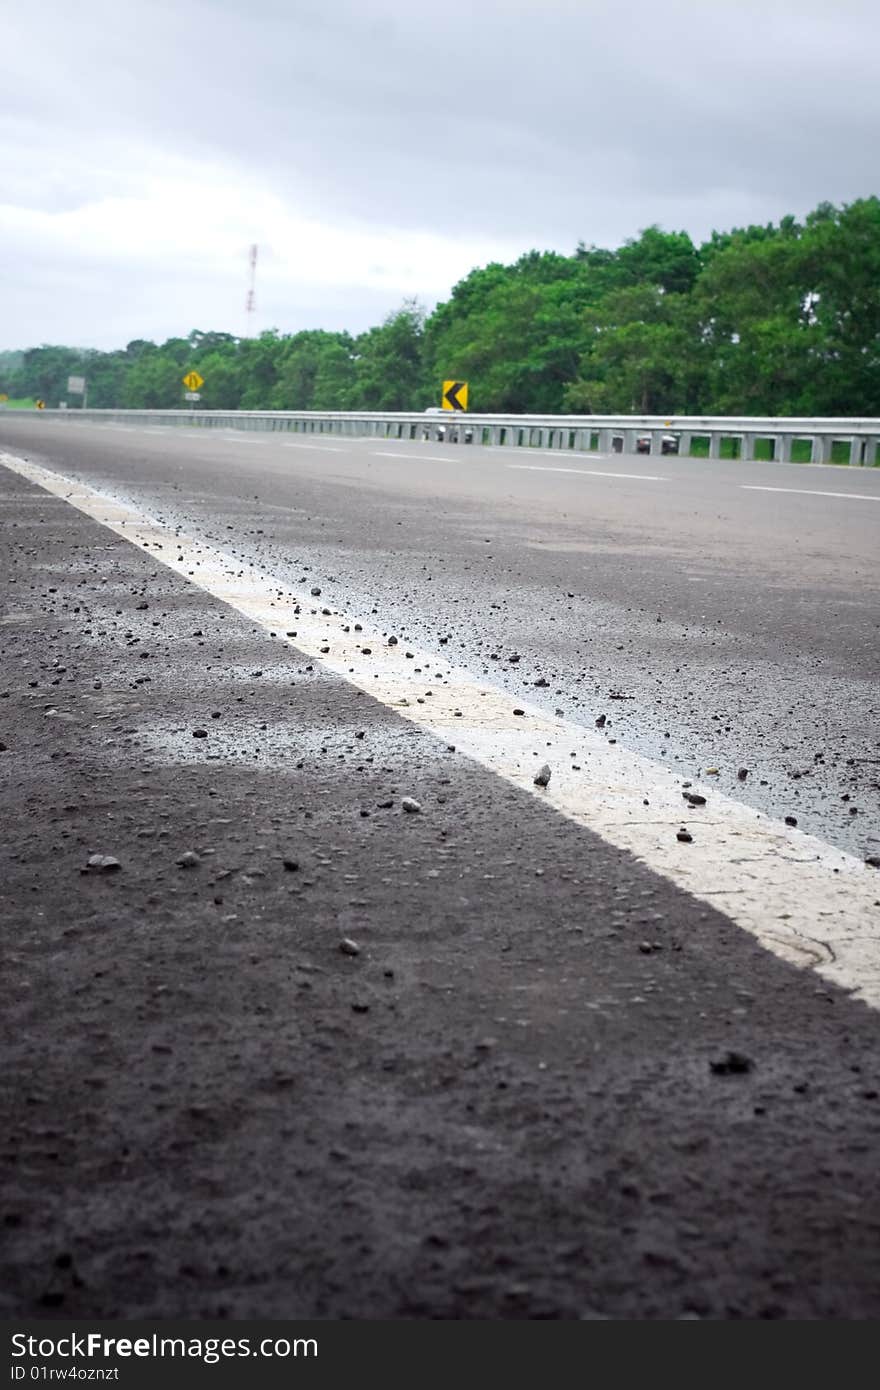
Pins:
x,y
731,1064
742,774
694,798
315,592
349,947
200,733
409,804
103,863
519,711
685,836
188,860
791,820
542,777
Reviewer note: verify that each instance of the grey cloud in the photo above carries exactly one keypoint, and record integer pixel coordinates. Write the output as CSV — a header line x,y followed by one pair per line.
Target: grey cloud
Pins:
x,y
535,123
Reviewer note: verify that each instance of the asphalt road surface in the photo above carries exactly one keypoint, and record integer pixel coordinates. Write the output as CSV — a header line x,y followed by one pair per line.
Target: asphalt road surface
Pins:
x,y
505,1056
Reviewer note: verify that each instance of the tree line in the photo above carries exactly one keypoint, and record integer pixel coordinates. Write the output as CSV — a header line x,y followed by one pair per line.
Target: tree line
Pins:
x,y
777,319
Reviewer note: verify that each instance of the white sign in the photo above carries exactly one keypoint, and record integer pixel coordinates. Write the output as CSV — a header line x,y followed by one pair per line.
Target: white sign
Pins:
x,y
191,396
76,385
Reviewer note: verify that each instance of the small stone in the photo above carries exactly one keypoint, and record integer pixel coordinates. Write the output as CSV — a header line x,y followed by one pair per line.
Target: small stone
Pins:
x,y
600,722
542,777
519,711
315,592
409,804
200,733
392,641
694,798
684,836
742,774
349,947
541,683
873,861
291,865
731,1064
188,860
791,820
102,863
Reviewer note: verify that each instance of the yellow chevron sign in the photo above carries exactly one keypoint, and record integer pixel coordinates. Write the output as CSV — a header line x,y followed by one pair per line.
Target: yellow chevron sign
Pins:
x,y
193,382
455,395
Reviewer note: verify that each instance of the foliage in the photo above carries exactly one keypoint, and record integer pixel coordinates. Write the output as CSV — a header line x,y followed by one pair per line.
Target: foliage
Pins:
x,y
777,320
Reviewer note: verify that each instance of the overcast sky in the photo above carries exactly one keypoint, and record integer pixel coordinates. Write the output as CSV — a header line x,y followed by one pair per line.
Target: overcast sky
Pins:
x,y
379,149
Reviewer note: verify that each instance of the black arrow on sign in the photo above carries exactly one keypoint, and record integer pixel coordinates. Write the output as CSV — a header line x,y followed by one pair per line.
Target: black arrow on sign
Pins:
x,y
452,395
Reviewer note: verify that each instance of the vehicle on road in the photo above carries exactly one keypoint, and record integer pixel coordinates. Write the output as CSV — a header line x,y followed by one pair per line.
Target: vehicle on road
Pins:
x,y
448,431
668,444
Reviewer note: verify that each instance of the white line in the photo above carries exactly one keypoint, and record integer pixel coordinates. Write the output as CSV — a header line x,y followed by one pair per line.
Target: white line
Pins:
x,y
807,902
239,439
315,448
587,472
813,492
399,454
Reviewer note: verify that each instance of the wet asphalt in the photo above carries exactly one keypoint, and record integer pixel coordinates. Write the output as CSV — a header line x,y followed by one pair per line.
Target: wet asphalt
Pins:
x,y
546,1083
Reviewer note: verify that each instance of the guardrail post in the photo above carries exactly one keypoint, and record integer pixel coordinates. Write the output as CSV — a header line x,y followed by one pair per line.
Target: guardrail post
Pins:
x,y
820,451
715,444
855,450
747,446
684,444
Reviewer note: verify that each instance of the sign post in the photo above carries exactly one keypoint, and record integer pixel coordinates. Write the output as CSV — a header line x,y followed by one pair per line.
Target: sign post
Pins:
x,y
76,386
193,383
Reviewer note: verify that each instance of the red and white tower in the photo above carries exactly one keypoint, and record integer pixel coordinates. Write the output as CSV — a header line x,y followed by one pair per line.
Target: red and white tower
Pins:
x,y
250,304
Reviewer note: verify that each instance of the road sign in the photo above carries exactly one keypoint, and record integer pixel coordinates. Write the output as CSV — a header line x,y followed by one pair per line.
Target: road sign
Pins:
x,y
76,385
3,396
192,381
192,396
455,395
40,405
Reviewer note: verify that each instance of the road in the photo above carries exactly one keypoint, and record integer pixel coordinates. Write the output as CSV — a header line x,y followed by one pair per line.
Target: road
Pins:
x,y
515,1097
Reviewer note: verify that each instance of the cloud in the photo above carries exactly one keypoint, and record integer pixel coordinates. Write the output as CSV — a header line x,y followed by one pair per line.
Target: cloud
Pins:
x,y
379,151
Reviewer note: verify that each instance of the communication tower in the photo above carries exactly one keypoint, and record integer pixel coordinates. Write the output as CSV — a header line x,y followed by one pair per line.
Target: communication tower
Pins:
x,y
250,303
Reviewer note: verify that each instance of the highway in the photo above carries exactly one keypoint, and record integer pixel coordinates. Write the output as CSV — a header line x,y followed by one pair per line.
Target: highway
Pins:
x,y
367,1021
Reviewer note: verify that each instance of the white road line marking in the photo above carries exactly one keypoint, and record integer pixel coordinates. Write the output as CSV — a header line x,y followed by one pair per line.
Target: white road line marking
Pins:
x,y
807,902
399,454
587,472
813,492
239,439
315,448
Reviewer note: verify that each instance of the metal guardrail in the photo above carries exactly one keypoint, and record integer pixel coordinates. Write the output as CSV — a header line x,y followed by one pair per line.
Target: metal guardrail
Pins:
x,y
734,436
